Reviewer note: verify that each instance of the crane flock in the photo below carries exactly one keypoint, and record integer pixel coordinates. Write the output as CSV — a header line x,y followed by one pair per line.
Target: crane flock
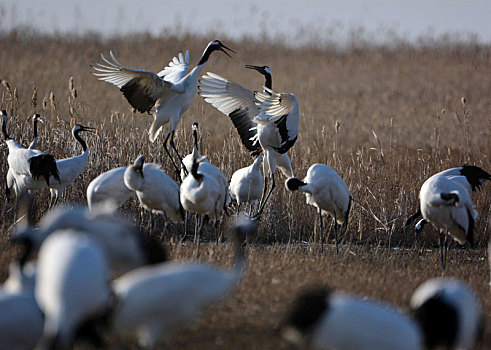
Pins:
x,y
59,296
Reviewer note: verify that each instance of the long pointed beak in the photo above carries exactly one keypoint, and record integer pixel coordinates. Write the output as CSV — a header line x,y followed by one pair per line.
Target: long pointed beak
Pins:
x,y
40,120
228,48
89,129
253,67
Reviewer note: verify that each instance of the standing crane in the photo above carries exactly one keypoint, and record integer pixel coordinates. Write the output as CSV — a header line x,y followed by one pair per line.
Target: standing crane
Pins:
x,y
155,190
445,202
246,184
205,192
471,177
326,191
70,168
28,165
11,188
171,91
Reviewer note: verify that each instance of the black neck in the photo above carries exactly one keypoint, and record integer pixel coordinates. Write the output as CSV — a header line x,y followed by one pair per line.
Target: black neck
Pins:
x,y
269,81
35,128
80,140
206,54
4,130
195,135
194,172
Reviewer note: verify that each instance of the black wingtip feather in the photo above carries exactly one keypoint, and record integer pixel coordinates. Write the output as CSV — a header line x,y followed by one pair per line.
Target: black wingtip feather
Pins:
x,y
243,124
132,90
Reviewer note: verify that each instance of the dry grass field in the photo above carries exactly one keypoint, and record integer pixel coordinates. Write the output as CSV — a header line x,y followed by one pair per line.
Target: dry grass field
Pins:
x,y
401,118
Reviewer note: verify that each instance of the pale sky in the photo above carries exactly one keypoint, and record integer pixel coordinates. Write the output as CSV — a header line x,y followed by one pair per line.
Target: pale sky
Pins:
x,y
318,20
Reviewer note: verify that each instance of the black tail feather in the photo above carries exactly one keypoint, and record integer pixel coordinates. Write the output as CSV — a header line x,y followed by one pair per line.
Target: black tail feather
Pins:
x,y
475,176
44,165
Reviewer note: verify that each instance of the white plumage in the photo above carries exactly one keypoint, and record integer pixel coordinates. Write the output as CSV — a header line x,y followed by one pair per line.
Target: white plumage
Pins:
x,y
70,168
326,191
449,312
21,320
246,184
265,121
445,202
171,91
109,186
470,177
155,190
28,165
205,192
153,301
72,285
11,187
335,320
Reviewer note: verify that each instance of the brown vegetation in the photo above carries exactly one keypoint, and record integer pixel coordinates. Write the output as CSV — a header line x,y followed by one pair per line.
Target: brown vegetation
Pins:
x,y
401,120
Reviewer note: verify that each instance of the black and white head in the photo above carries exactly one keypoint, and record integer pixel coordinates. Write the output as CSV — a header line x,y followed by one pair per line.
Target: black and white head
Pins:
x,y
37,118
195,133
217,45
418,228
264,70
4,115
293,184
304,315
79,127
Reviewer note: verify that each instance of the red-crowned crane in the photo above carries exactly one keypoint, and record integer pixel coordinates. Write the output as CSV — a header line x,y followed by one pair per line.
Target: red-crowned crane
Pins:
x,y
171,91
11,188
70,168
155,190
326,191
265,121
246,184
322,319
205,192
469,176
445,202
28,165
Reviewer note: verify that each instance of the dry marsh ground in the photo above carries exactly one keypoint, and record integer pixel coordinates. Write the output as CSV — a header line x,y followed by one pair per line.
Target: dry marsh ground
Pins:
x,y
401,118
